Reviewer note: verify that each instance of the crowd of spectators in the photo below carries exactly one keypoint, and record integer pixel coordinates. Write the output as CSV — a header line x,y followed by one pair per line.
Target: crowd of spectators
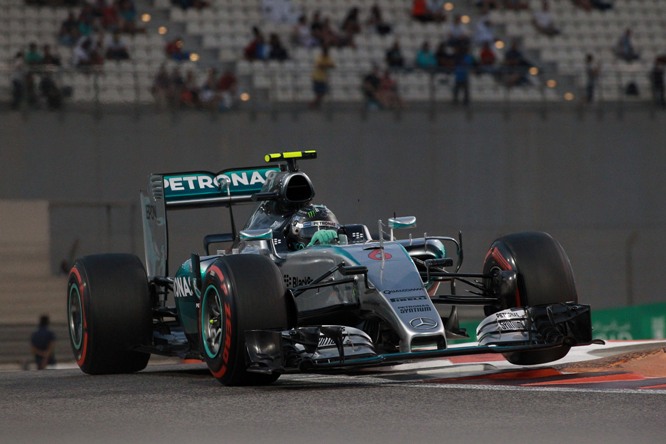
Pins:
x,y
33,80
174,90
95,33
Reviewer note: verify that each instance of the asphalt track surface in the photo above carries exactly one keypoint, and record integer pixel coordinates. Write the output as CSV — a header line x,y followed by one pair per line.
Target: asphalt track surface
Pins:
x,y
447,402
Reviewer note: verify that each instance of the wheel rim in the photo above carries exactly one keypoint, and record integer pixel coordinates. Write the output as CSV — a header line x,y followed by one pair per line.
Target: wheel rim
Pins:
x,y
212,321
75,316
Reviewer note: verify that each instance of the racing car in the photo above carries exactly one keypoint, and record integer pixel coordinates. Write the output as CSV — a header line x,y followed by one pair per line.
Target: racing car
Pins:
x,y
295,290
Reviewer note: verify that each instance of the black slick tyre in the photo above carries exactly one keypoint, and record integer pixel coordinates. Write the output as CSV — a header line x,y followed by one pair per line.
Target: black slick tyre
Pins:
x,y
109,313
544,276
241,292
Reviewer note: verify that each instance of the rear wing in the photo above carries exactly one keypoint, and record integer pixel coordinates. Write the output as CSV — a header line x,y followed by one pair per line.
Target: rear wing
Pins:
x,y
193,189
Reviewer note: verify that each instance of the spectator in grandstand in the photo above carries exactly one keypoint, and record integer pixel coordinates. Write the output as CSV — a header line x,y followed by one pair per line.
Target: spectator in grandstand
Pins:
x,y
428,11
351,24
376,21
276,51
175,50
127,16
257,48
33,57
161,88
85,53
50,91
208,97
42,343
69,30
86,20
464,65
18,79
177,82
226,88
458,35
389,94
425,57
657,81
592,72
329,37
323,64
515,67
394,58
370,89
483,32
515,5
589,5
487,5
543,20
624,48
301,34
316,25
189,91
116,49
445,57
107,13
49,57
187,4
487,59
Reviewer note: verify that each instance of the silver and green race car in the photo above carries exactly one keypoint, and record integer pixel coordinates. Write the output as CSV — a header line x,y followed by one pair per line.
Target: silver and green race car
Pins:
x,y
295,290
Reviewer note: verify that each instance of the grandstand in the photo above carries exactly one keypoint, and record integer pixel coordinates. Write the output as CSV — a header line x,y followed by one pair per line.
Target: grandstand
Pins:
x,y
218,33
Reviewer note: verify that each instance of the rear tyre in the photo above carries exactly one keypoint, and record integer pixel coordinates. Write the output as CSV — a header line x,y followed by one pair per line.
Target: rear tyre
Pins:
x,y
109,313
544,276
241,292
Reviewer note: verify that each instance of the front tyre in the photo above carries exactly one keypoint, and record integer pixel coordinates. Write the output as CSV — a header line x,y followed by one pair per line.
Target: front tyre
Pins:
x,y
544,276
109,313
241,292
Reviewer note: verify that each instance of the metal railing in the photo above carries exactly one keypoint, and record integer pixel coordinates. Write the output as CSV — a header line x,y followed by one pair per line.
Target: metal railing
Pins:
x,y
271,89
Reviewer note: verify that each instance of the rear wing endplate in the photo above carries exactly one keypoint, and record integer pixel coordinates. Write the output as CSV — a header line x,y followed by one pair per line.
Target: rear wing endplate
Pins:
x,y
194,189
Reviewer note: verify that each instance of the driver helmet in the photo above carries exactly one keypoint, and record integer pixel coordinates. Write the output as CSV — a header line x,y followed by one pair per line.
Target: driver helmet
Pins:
x,y
306,222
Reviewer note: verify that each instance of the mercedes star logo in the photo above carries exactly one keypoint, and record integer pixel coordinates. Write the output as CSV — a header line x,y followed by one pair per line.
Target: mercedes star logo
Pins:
x,y
423,323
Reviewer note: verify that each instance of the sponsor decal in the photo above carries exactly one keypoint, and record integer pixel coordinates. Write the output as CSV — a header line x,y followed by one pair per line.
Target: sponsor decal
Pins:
x,y
208,184
408,298
520,314
227,336
404,290
377,254
296,281
415,309
183,287
151,212
228,323
423,323
511,326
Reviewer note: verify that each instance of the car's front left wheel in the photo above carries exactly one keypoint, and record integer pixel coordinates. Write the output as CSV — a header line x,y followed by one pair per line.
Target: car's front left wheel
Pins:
x,y
239,293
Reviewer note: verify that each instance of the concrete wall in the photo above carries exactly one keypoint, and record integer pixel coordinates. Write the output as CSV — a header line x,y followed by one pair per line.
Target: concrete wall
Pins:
x,y
594,181
24,237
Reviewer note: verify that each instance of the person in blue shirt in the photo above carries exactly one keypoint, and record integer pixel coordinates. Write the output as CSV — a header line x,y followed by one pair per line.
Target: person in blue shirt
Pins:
x,y
43,344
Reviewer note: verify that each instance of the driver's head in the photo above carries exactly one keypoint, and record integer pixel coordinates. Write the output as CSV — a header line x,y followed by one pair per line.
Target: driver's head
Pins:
x,y
306,222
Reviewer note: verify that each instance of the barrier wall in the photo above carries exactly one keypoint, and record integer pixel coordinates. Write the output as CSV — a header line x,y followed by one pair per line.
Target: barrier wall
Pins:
x,y
24,237
592,178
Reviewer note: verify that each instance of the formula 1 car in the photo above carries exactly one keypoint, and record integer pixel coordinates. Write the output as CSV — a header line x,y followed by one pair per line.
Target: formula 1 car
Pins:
x,y
297,291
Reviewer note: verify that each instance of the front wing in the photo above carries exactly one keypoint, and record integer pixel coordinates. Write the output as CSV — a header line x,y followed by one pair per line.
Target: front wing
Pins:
x,y
334,347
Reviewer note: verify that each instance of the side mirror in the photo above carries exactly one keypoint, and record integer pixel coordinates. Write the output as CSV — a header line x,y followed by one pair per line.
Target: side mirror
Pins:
x,y
256,235
397,223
